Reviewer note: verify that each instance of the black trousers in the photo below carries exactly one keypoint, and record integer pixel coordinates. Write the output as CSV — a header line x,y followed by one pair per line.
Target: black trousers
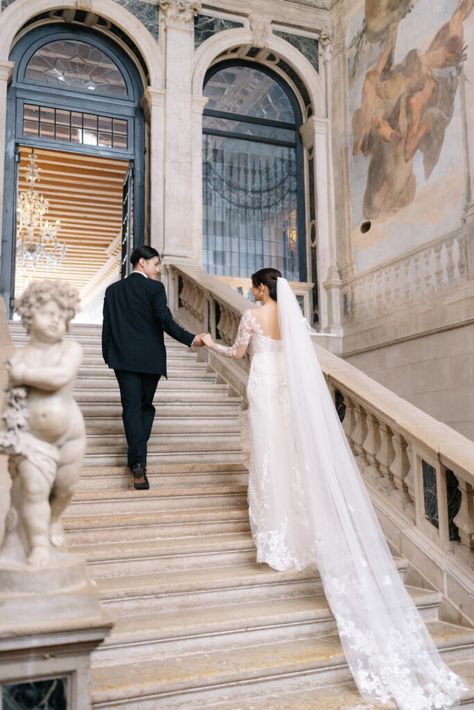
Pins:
x,y
137,390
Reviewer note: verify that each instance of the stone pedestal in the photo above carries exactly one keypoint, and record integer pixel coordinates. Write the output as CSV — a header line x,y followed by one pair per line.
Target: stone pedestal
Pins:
x,y
48,633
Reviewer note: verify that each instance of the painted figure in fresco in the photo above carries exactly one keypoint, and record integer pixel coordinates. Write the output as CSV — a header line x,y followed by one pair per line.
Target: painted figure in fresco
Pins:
x,y
45,434
407,107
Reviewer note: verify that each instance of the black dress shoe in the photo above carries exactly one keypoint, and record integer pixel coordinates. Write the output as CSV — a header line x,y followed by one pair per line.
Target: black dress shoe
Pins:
x,y
140,481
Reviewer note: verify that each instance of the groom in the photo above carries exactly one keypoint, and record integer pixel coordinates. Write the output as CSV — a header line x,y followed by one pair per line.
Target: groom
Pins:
x,y
135,318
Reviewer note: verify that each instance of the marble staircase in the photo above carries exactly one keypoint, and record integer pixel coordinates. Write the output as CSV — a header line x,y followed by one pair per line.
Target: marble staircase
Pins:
x,y
198,624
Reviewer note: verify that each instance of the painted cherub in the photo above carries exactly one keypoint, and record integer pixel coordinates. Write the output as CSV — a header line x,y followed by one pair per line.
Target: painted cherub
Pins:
x,y
45,436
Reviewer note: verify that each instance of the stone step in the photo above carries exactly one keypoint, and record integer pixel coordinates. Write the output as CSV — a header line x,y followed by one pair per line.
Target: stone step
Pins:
x,y
167,392
158,525
232,625
107,378
171,441
175,358
162,498
200,675
172,458
166,410
151,593
179,425
192,368
98,384
303,693
119,478
166,555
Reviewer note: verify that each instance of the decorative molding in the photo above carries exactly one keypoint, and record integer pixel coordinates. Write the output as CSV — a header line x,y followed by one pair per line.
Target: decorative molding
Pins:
x,y
179,11
206,26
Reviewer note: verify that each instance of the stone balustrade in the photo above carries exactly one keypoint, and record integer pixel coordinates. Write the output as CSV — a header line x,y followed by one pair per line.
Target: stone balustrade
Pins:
x,y
420,472
425,273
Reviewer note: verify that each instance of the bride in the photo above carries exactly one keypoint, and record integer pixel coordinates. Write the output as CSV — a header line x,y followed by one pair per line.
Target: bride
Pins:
x,y
309,507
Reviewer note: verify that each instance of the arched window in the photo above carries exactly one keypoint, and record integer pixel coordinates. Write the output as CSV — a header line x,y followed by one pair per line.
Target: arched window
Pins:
x,y
253,207
76,66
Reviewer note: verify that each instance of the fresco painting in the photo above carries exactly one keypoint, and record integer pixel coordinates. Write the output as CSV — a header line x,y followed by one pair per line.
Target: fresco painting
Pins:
x,y
402,105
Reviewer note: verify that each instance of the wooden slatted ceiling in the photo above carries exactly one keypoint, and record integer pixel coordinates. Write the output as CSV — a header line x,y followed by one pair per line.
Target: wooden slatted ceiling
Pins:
x,y
85,194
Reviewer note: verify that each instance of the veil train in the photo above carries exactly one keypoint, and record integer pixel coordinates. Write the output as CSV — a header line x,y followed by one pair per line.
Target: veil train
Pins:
x,y
387,646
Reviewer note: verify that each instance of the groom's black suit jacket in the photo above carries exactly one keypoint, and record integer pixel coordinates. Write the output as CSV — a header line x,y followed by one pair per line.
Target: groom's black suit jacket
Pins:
x,y
136,316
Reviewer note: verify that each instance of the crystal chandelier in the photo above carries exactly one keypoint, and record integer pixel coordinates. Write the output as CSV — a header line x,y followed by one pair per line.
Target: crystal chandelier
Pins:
x,y
37,242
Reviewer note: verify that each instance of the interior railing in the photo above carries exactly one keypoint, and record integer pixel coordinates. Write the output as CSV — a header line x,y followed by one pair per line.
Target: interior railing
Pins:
x,y
419,471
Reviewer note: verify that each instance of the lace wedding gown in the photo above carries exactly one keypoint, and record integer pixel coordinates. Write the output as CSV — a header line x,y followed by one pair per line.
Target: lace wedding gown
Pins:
x,y
309,507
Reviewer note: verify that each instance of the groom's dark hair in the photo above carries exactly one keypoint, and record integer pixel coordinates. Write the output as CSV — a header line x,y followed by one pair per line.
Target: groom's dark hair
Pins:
x,y
268,277
144,252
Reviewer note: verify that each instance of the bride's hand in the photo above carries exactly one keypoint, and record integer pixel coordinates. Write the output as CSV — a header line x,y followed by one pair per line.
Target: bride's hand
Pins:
x,y
208,341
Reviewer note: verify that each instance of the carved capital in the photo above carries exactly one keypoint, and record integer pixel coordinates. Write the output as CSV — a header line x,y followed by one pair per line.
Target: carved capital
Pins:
x,y
325,45
152,98
180,11
261,29
307,131
6,70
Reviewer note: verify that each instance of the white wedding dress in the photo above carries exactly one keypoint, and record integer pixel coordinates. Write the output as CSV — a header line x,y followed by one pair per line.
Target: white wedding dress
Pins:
x,y
309,507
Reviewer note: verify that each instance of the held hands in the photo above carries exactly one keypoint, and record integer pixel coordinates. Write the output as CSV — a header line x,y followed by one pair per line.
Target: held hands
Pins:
x,y
208,341
198,341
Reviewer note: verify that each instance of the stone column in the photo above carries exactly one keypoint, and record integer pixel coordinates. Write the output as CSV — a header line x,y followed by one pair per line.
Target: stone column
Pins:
x,y
337,76
6,69
179,218
153,103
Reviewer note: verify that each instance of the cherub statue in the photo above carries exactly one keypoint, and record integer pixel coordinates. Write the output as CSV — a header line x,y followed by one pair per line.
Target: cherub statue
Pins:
x,y
45,434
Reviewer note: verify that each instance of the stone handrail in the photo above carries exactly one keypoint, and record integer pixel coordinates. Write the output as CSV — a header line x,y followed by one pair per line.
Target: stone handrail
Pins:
x,y
420,472
429,271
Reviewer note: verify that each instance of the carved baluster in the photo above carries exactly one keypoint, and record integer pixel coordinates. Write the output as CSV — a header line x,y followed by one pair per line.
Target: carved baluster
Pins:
x,y
388,288
438,273
348,423
464,520
358,434
462,258
396,277
427,273
370,447
400,468
409,479
417,275
449,245
410,275
385,456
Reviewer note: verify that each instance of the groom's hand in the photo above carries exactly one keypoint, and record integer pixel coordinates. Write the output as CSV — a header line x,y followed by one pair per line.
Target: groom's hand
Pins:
x,y
198,341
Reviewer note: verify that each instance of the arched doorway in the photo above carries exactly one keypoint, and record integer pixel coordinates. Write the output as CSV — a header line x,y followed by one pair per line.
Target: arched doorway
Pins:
x,y
74,121
253,173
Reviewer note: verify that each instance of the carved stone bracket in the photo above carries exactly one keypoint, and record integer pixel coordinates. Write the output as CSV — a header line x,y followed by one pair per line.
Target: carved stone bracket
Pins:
x,y
261,30
180,11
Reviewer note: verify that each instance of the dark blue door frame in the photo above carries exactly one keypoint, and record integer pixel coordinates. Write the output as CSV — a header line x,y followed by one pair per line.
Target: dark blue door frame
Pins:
x,y
23,91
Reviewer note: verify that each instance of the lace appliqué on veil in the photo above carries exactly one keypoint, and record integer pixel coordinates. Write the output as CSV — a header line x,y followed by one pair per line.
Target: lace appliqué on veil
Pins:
x,y
376,673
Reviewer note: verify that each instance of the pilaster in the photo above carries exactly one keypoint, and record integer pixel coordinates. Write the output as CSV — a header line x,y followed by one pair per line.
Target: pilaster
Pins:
x,y
153,104
178,29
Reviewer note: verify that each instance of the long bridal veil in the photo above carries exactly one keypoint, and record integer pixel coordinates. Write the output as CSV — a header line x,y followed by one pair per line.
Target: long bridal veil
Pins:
x,y
388,649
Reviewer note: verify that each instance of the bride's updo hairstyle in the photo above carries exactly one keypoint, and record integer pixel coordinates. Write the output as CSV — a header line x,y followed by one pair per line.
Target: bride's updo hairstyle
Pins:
x,y
267,277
